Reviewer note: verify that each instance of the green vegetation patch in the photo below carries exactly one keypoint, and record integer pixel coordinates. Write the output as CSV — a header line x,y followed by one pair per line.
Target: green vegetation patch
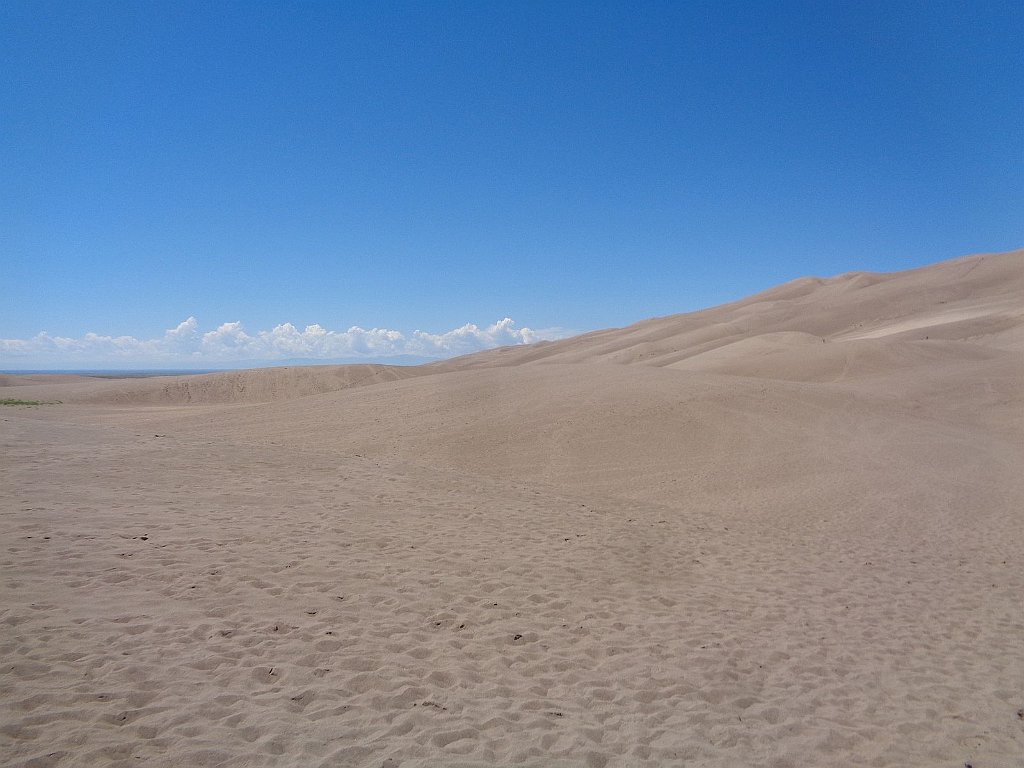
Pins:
x,y
15,401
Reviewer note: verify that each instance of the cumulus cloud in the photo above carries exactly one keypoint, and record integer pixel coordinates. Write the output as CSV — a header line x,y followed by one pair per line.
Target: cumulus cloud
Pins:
x,y
470,338
187,345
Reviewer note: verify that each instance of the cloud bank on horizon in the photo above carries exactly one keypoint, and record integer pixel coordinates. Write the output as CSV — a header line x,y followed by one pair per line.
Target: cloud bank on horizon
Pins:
x,y
187,345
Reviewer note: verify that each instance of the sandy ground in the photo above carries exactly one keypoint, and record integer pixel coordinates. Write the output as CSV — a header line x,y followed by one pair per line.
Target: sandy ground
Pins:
x,y
782,532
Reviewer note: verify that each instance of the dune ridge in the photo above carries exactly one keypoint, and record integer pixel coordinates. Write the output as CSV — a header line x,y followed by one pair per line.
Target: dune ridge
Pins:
x,y
255,385
785,531
973,301
973,296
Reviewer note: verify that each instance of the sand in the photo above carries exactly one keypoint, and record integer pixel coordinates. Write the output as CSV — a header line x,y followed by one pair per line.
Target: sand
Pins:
x,y
782,532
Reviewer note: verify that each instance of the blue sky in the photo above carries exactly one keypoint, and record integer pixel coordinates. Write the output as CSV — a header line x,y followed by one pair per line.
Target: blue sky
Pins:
x,y
248,168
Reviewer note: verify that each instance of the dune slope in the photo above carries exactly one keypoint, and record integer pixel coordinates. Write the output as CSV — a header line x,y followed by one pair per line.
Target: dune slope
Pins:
x,y
783,532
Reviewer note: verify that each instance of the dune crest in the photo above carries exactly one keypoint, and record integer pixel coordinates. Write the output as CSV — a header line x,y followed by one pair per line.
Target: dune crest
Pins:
x,y
256,385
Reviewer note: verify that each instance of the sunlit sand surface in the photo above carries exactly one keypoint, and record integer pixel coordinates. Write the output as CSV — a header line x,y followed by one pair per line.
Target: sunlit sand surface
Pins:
x,y
786,531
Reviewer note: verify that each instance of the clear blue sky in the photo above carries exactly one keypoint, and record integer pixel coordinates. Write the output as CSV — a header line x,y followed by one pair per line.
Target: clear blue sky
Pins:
x,y
427,165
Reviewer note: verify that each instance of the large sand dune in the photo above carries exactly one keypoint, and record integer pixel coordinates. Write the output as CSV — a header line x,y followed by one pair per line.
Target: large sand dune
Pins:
x,y
786,531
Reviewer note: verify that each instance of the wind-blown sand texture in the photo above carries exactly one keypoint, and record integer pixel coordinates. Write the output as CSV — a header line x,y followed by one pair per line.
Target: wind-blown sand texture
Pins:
x,y
788,531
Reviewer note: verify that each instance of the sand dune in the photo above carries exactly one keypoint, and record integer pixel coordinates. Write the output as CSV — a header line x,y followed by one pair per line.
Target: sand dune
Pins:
x,y
260,385
785,531
38,379
976,296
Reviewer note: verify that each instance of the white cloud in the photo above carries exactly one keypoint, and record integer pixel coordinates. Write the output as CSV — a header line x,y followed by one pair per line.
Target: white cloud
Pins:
x,y
470,338
185,332
188,346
